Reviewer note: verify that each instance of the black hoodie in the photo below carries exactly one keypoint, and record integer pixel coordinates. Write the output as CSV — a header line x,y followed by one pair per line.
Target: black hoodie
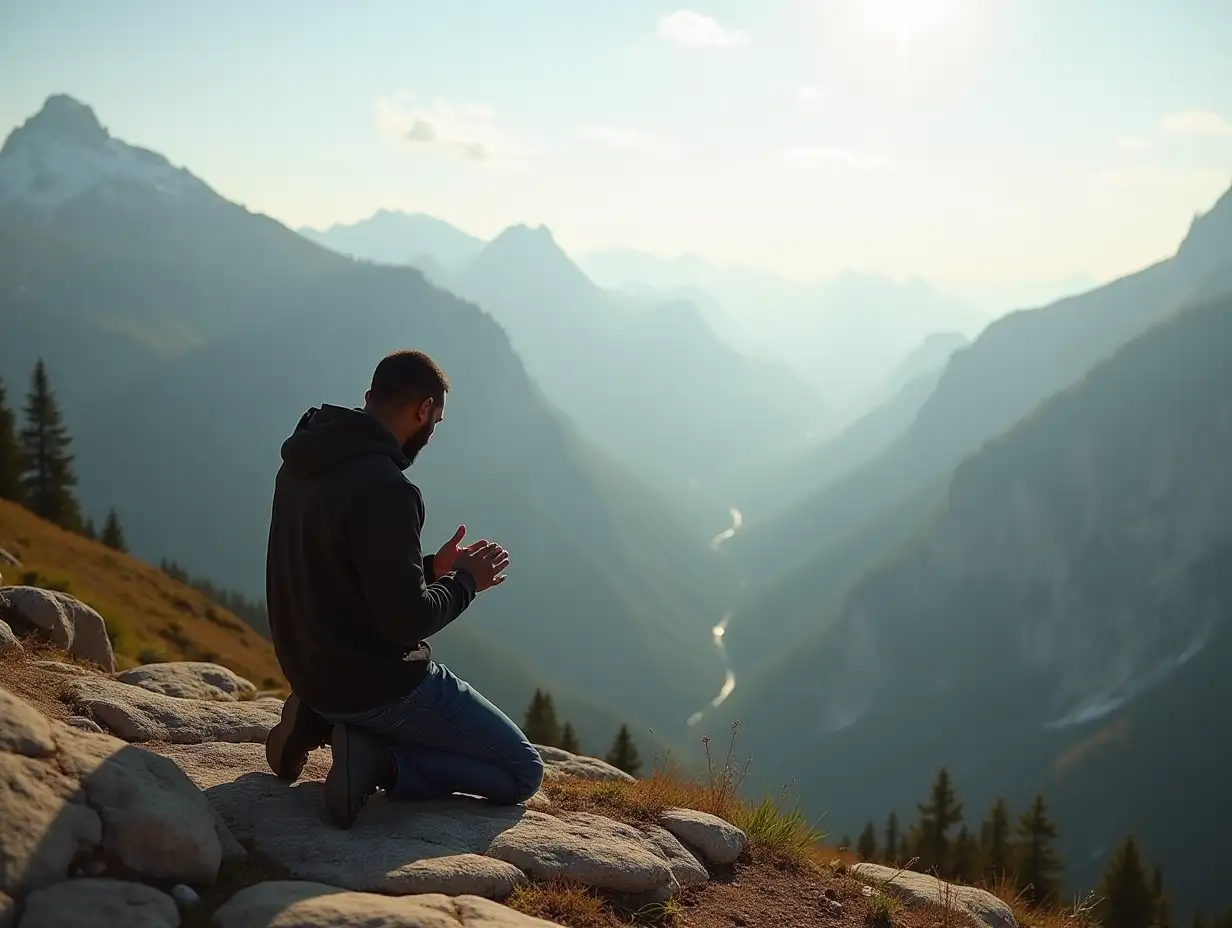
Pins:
x,y
351,596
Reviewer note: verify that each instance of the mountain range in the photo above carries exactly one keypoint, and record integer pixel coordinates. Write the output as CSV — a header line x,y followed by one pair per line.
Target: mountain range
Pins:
x,y
185,335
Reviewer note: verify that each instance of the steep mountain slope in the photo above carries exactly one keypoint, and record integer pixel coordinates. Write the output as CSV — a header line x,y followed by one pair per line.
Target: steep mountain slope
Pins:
x,y
1060,626
394,237
1013,365
607,594
930,356
652,385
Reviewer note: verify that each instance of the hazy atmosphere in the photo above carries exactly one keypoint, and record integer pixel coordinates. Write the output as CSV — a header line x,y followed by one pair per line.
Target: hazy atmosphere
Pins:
x,y
849,378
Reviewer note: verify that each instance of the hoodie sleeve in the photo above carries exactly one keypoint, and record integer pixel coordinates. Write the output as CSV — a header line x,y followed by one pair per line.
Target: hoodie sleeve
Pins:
x,y
384,529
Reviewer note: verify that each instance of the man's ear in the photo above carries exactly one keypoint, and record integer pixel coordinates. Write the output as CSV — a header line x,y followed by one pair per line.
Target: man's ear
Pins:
x,y
425,410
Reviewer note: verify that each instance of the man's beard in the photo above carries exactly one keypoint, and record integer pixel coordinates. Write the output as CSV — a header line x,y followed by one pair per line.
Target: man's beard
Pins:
x,y
413,445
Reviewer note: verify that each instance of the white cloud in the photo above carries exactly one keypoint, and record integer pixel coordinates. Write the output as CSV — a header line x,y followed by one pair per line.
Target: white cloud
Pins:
x,y
621,139
1133,143
809,95
693,30
1197,122
824,156
469,132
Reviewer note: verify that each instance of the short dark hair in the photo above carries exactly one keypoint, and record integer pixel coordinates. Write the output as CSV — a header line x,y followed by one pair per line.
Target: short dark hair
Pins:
x,y
406,377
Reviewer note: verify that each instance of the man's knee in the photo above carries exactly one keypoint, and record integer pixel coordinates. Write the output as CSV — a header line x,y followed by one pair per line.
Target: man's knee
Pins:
x,y
528,775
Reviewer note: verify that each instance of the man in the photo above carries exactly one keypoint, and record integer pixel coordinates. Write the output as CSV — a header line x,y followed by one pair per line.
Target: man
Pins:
x,y
352,601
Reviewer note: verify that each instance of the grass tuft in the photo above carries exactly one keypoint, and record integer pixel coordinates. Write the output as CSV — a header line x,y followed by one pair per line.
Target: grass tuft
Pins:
x,y
562,901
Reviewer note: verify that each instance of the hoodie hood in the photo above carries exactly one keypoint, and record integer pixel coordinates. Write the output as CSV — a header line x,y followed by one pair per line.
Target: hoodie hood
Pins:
x,y
327,436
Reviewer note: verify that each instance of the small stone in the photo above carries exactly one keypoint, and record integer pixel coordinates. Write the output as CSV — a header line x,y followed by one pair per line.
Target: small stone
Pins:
x,y
7,638
830,894
184,895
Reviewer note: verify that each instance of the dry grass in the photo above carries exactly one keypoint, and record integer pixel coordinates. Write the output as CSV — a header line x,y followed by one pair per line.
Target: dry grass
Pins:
x,y
1080,913
564,902
149,615
776,829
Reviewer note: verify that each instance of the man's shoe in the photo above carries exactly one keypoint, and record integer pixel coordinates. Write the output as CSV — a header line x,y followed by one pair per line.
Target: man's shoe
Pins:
x,y
298,732
361,766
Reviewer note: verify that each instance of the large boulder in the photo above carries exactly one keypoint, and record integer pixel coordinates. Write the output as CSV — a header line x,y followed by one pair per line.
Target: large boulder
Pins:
x,y
290,904
99,903
190,680
978,906
68,796
136,714
718,841
64,620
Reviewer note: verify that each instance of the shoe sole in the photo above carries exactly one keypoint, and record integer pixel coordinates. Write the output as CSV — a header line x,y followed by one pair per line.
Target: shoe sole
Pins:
x,y
286,759
338,781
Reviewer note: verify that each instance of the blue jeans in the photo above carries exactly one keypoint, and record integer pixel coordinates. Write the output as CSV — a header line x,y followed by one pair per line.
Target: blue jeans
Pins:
x,y
447,738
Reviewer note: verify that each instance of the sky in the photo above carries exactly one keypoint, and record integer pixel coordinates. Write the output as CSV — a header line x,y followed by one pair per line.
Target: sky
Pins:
x,y
976,143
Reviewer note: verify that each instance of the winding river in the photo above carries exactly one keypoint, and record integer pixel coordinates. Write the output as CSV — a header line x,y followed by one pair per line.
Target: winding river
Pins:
x,y
717,633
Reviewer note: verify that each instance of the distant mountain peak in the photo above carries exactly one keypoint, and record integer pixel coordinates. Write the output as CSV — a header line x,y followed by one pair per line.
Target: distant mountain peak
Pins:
x,y
1208,243
63,151
61,118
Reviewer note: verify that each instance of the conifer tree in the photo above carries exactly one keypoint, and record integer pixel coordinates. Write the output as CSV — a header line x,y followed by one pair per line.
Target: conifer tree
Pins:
x,y
541,726
1163,914
49,477
623,754
866,844
1039,865
88,529
113,534
844,843
937,816
996,852
569,739
965,857
12,464
1125,890
891,839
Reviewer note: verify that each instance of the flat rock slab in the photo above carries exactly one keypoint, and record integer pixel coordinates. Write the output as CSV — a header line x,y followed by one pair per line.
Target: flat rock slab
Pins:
x,y
468,845
190,680
66,793
99,903
558,762
136,714
916,889
719,842
290,904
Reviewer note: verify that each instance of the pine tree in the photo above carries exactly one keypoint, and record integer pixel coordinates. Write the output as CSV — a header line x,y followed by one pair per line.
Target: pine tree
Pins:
x,y
1039,865
49,476
965,857
541,726
996,855
113,534
1163,914
1125,890
937,816
12,464
844,843
569,739
623,754
866,845
891,839
89,530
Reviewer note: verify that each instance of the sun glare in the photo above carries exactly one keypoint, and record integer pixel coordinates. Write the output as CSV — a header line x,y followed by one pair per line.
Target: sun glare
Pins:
x,y
906,16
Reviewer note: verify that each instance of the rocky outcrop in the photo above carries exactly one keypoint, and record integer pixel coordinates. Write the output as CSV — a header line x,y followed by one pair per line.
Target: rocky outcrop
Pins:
x,y
136,714
920,889
190,680
65,621
316,905
99,903
68,797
